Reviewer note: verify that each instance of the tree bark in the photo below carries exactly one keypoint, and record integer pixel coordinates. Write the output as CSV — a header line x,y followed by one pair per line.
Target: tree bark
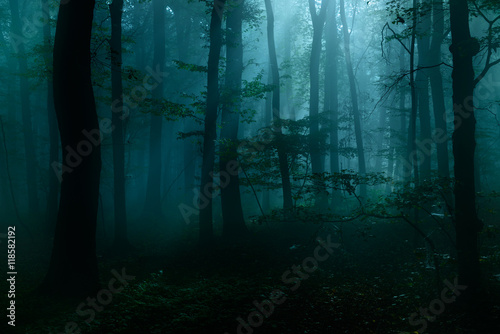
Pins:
x,y
73,265
467,224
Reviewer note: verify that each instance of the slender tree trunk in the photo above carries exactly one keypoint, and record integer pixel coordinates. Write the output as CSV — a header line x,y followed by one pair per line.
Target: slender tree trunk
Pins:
x,y
73,265
117,118
467,224
317,157
51,214
276,105
232,211
29,141
436,79
152,207
354,98
331,83
401,164
210,135
380,139
412,161
422,87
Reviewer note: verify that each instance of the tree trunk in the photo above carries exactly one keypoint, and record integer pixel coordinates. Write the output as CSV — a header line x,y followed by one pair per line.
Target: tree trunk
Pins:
x,y
73,265
121,240
354,99
436,79
412,161
317,157
232,212
467,225
51,214
210,134
276,105
29,142
422,87
152,207
331,84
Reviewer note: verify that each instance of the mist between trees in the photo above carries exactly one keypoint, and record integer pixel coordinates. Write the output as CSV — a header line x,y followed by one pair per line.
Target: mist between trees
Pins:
x,y
215,140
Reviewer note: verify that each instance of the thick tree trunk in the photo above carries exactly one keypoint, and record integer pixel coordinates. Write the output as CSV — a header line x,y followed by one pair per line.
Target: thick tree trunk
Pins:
x,y
210,135
152,207
276,111
354,99
117,118
232,211
467,225
73,265
29,141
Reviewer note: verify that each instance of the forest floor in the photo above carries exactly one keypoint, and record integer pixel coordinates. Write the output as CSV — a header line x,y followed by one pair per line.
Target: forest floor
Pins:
x,y
361,287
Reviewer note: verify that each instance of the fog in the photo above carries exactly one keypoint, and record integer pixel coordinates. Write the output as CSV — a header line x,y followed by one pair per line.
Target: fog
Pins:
x,y
250,166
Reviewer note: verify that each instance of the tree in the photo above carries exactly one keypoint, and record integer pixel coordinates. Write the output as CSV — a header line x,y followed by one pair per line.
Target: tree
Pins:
x,y
152,207
467,224
317,160
422,28
354,98
117,118
276,109
331,103
51,215
437,90
73,264
232,212
210,133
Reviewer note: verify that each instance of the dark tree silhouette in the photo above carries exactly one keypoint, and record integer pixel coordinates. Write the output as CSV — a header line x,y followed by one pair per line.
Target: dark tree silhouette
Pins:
x,y
467,224
232,212
52,121
210,134
73,265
